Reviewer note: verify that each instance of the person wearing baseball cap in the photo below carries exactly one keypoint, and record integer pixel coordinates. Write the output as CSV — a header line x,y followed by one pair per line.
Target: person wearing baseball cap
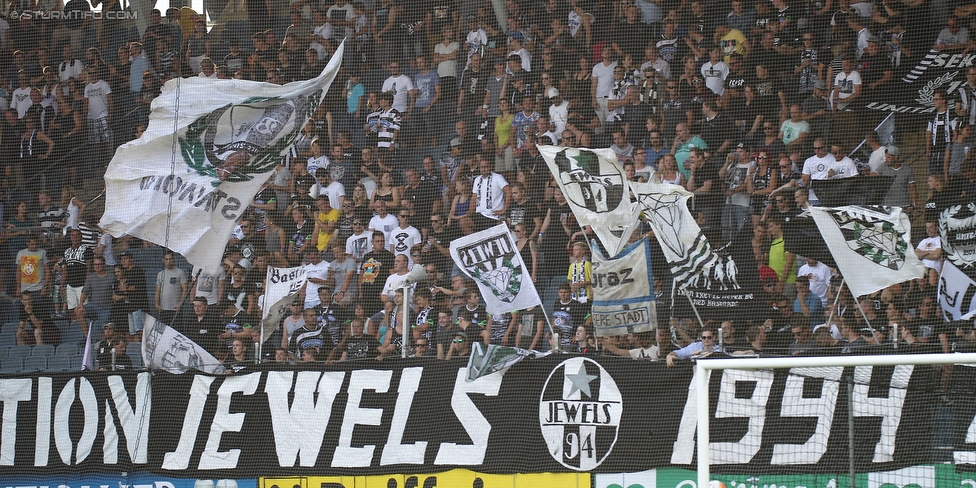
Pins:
x,y
558,111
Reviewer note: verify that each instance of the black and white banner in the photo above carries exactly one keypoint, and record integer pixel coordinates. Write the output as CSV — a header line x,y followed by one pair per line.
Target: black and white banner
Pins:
x,y
556,414
493,261
957,228
281,288
623,298
872,246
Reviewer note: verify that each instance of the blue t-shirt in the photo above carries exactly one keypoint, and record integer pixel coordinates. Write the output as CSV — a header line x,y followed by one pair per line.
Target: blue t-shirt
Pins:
x,y
425,85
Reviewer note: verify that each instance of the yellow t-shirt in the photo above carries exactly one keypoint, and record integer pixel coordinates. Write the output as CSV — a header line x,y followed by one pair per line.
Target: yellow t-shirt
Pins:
x,y
323,219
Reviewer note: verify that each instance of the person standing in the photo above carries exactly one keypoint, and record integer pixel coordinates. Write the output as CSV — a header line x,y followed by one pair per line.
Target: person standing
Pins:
x,y
138,296
171,288
76,259
494,196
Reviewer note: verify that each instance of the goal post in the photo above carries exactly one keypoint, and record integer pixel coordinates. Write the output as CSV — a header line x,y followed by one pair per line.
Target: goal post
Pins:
x,y
704,367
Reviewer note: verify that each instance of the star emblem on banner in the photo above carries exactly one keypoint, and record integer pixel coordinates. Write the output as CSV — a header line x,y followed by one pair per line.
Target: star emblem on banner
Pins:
x,y
581,381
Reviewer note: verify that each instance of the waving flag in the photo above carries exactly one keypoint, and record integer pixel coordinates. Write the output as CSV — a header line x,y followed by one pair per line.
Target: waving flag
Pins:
x,y
595,186
209,147
281,288
957,228
623,297
872,246
492,260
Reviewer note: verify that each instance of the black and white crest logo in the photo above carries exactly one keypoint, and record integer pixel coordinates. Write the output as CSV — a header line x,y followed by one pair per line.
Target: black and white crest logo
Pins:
x,y
236,141
585,183
873,237
579,413
495,263
957,226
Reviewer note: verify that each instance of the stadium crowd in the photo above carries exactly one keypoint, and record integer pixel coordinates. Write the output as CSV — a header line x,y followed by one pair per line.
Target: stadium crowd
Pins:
x,y
429,133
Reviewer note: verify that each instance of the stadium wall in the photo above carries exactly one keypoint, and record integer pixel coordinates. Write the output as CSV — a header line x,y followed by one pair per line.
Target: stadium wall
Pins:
x,y
562,418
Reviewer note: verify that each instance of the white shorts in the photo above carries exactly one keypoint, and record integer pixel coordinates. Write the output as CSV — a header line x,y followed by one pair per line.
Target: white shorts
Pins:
x,y
73,295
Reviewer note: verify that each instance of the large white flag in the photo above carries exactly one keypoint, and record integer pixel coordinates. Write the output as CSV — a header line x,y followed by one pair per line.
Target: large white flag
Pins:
x,y
682,240
623,298
166,349
492,260
209,146
595,186
280,289
871,245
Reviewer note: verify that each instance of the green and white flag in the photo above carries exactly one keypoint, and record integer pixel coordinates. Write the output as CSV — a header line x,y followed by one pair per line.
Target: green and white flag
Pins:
x,y
492,260
209,147
871,245
486,360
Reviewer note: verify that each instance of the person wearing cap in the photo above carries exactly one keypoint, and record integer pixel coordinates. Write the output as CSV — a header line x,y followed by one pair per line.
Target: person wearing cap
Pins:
x,y
103,350
875,66
902,192
558,111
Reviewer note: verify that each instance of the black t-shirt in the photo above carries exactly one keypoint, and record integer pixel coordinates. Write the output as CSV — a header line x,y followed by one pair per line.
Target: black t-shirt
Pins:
x,y
716,131
872,67
443,238
736,81
523,213
364,347
75,263
423,198
473,86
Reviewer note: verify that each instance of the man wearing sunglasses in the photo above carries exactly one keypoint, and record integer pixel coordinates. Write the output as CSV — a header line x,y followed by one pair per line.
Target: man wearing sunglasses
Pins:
x,y
707,345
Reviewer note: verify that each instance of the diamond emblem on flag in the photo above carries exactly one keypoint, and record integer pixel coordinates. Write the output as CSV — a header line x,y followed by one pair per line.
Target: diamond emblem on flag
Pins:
x,y
874,239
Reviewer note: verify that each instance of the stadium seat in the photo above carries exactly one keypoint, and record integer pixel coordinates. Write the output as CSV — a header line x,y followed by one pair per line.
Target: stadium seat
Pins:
x,y
67,349
10,327
557,280
44,350
58,363
7,339
72,335
12,365
136,357
35,363
76,361
19,352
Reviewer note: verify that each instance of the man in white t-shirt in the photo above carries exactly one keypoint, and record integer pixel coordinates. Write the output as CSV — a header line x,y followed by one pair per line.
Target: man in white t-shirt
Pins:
x,y
817,167
401,87
343,19
316,272
929,250
383,221
601,85
404,238
819,275
494,196
847,85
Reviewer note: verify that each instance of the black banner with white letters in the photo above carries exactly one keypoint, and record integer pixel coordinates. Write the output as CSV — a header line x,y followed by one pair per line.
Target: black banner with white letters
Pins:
x,y
556,414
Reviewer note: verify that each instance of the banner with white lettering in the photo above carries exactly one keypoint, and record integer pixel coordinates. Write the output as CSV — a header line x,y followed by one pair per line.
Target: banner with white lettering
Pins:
x,y
595,185
623,296
281,288
164,348
185,190
493,261
555,414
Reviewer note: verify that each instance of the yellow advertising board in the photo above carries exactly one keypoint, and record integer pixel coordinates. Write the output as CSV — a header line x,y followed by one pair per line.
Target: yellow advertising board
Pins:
x,y
456,478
